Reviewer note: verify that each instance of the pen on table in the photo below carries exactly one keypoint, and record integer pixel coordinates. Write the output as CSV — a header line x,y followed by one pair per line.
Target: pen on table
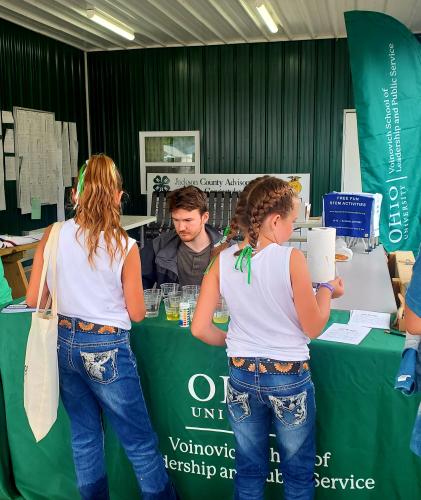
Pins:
x,y
398,334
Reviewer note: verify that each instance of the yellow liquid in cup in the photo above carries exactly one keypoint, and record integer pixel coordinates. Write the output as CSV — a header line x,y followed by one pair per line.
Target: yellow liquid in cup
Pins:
x,y
220,318
172,315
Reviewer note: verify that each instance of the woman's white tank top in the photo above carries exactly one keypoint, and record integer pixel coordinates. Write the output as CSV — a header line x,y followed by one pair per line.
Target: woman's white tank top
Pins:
x,y
94,294
264,321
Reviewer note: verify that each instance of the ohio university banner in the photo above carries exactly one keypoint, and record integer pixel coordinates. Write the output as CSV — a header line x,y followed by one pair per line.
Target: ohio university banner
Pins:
x,y
386,74
363,424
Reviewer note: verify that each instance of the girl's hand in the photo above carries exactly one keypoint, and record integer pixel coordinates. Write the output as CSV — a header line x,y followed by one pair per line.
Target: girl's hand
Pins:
x,y
338,286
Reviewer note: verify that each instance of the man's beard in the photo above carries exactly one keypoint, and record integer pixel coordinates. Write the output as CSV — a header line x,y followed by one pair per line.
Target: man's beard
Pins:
x,y
187,237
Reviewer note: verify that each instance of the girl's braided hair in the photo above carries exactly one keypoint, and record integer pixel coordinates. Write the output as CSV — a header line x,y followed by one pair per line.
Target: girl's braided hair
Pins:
x,y
262,196
271,196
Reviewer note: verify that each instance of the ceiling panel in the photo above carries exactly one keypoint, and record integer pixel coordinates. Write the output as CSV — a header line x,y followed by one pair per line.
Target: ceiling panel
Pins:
x,y
168,23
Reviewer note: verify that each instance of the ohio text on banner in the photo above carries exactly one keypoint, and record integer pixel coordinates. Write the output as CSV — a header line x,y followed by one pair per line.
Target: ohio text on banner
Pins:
x,y
386,75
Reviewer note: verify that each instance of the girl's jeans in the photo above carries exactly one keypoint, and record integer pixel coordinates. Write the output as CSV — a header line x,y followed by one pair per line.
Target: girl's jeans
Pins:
x,y
98,373
256,400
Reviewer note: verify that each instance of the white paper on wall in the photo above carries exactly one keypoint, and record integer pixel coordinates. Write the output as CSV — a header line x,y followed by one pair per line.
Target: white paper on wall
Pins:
x,y
7,117
74,151
10,168
24,194
59,169
66,167
72,132
36,150
73,148
9,141
60,203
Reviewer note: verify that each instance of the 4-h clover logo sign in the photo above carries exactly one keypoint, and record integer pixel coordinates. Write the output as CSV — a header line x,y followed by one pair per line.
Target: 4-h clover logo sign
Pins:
x,y
161,184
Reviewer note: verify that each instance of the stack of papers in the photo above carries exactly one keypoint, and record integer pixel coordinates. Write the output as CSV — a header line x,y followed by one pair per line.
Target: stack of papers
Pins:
x,y
7,240
358,327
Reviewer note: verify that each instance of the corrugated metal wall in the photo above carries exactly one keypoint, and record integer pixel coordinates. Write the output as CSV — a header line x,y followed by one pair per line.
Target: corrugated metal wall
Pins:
x,y
40,73
275,107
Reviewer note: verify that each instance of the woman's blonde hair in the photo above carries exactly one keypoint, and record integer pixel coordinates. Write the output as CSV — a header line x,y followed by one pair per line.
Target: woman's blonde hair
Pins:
x,y
97,209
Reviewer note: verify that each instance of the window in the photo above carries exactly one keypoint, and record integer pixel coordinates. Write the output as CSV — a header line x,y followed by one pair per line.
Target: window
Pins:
x,y
168,152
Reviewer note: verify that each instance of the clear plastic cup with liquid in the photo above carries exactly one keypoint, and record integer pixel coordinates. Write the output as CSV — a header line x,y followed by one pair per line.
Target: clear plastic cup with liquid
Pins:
x,y
171,311
175,298
221,313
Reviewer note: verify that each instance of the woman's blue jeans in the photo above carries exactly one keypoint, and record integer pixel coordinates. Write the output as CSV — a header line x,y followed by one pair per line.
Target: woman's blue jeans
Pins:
x,y
98,373
256,401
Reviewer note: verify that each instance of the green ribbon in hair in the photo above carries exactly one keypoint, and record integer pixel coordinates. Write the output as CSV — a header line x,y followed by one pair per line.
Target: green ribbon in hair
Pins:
x,y
245,257
220,242
81,181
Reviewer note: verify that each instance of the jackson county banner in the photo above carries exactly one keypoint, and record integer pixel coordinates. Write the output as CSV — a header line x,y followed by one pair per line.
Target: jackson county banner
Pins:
x,y
386,74
158,182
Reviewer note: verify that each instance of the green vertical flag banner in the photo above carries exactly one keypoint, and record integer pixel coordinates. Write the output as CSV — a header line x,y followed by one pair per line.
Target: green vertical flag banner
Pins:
x,y
386,73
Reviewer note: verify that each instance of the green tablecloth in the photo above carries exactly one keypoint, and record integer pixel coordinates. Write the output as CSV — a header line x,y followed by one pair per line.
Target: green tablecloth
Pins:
x,y
364,425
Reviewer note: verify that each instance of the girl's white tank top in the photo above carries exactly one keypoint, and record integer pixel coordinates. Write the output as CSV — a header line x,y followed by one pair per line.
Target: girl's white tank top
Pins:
x,y
264,321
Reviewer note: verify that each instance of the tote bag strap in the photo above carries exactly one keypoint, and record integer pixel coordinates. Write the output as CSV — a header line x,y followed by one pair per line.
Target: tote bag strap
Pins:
x,y
49,251
53,259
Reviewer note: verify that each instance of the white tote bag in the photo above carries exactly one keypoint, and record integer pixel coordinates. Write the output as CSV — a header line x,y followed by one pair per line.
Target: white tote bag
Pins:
x,y
41,386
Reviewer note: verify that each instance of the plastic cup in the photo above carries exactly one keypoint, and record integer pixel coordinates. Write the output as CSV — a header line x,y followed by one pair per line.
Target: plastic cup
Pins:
x,y
152,298
190,291
171,311
153,291
221,313
169,288
175,299
192,304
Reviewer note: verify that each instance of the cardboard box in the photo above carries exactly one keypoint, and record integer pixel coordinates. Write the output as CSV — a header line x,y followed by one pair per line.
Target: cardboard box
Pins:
x,y
400,265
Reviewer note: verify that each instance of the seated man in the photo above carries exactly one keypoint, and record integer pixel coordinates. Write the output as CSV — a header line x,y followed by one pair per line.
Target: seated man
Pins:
x,y
413,300
182,254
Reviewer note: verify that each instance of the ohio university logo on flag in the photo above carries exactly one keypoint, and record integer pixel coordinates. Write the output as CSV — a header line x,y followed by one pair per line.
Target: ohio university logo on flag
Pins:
x,y
386,74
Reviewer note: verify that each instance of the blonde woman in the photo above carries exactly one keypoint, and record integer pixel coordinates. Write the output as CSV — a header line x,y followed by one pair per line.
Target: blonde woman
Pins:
x,y
99,292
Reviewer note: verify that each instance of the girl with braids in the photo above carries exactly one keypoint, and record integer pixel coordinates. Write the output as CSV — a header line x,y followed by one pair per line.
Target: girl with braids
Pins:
x,y
274,314
99,290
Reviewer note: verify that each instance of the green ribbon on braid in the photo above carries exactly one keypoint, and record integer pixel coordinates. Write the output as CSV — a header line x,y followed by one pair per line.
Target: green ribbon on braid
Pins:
x,y
220,242
245,256
224,236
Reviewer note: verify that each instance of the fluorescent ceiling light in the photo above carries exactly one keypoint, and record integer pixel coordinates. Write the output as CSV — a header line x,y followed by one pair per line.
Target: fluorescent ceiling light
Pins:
x,y
267,18
109,23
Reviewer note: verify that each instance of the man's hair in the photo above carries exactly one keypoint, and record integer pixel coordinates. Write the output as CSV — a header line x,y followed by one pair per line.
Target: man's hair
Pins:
x,y
188,198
